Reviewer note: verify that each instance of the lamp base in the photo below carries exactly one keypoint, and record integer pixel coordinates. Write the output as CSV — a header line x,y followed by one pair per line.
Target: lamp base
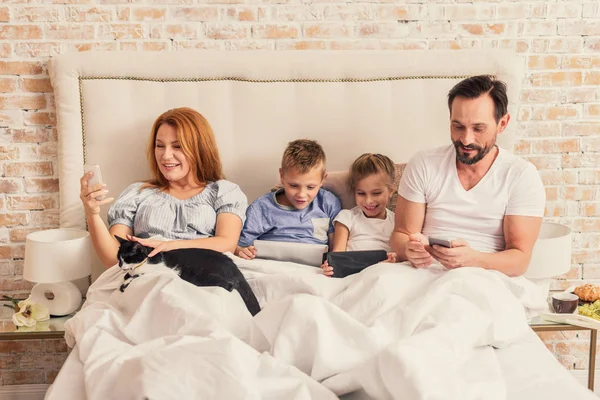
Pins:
x,y
61,298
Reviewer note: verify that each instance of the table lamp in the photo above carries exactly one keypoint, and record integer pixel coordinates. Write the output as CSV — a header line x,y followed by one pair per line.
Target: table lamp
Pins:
x,y
54,258
551,254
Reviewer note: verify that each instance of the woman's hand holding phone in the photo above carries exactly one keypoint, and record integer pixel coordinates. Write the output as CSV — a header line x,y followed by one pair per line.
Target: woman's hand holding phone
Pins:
x,y
93,190
95,179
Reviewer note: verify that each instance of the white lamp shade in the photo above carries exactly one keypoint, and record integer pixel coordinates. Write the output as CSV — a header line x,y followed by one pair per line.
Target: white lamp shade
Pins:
x,y
552,252
57,255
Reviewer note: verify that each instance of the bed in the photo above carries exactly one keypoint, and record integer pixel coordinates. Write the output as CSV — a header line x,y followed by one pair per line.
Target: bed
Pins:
x,y
372,335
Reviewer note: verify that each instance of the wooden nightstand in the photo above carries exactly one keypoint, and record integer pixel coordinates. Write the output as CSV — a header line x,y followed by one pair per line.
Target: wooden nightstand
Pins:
x,y
540,325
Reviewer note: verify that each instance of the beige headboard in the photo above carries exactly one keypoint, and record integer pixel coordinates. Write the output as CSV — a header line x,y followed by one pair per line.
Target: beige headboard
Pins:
x,y
393,102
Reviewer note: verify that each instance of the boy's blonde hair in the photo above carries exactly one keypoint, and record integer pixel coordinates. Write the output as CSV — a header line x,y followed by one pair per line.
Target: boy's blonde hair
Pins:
x,y
369,164
304,155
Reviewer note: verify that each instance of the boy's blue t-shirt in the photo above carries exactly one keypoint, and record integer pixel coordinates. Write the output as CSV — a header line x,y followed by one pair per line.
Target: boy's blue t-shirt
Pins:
x,y
266,219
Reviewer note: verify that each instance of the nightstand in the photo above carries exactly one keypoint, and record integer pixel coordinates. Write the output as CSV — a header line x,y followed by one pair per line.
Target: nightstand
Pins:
x,y
540,325
32,358
54,329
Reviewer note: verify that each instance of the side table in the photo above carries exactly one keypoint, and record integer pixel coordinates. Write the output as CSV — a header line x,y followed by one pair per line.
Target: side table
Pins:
x,y
32,357
540,325
54,328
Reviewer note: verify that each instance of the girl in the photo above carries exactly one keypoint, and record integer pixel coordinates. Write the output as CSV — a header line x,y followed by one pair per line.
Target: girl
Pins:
x,y
187,200
369,225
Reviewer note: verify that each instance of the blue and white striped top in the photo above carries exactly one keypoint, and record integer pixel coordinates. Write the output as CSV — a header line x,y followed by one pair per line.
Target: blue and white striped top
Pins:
x,y
152,212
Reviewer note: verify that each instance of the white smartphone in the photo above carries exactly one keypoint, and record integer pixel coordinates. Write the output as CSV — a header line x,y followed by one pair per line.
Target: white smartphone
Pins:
x,y
96,177
440,242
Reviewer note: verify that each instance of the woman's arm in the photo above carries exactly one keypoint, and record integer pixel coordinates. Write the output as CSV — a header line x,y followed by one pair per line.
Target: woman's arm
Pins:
x,y
227,234
104,243
103,239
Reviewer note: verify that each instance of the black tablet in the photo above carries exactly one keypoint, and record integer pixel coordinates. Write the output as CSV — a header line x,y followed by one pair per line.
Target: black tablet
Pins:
x,y
346,263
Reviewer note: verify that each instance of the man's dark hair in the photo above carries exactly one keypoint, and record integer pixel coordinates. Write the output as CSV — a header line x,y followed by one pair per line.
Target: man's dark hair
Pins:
x,y
475,86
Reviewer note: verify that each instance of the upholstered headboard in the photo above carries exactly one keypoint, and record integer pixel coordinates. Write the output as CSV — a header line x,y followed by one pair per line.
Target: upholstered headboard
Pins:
x,y
393,102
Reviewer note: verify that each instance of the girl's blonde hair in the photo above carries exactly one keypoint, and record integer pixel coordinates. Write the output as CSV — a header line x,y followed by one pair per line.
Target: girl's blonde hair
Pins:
x,y
198,144
369,164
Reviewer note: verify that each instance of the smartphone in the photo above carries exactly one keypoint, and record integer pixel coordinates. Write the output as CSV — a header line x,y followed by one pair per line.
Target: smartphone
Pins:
x,y
440,242
96,177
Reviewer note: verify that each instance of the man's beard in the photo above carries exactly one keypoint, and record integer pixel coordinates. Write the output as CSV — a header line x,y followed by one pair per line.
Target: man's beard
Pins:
x,y
470,160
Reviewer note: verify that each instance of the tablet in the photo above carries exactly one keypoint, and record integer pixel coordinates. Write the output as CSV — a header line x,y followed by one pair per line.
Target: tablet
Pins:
x,y
301,253
346,263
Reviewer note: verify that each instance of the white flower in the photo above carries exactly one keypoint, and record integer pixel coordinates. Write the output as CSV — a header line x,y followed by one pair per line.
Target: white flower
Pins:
x,y
30,313
39,327
21,320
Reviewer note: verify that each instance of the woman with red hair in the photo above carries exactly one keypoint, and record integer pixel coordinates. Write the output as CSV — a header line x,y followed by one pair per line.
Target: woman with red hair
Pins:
x,y
187,201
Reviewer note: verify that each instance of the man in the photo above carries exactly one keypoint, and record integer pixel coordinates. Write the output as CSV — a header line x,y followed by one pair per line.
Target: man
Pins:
x,y
489,202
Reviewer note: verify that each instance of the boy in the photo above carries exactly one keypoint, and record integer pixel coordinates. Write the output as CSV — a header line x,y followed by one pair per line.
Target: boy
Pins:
x,y
299,212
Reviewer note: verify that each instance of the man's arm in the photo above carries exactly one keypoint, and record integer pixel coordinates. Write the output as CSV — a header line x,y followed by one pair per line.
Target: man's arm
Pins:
x,y
410,217
520,234
521,224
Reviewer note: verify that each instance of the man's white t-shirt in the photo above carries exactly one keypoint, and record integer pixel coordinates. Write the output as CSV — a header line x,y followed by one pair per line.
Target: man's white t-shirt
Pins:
x,y
366,233
512,186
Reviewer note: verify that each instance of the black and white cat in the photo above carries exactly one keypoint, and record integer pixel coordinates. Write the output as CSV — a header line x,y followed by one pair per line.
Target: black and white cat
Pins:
x,y
201,267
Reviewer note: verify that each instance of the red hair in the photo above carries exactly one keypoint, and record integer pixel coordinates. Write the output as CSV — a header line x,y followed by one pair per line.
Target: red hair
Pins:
x,y
198,144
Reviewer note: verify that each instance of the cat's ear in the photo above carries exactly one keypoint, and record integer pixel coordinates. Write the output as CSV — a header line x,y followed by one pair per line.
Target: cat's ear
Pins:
x,y
120,239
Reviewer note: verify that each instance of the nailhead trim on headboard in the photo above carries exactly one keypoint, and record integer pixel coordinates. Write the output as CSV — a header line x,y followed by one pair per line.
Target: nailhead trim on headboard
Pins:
x,y
236,79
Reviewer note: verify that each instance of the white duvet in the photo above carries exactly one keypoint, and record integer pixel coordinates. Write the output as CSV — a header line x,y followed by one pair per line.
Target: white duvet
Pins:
x,y
390,332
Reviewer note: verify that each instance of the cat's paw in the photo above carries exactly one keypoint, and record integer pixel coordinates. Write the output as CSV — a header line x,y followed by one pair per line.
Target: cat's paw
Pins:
x,y
128,279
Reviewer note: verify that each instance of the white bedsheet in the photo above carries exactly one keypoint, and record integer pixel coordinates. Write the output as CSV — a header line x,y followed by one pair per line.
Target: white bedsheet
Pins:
x,y
390,332
532,372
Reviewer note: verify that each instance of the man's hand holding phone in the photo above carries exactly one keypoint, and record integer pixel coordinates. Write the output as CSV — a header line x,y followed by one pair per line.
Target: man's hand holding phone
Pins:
x,y
434,241
417,250
452,254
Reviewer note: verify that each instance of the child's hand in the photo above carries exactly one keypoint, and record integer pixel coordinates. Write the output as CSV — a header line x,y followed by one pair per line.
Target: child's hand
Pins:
x,y
327,269
247,253
391,258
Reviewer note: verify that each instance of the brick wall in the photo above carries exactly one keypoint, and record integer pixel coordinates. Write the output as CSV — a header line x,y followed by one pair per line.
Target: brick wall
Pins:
x,y
559,117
